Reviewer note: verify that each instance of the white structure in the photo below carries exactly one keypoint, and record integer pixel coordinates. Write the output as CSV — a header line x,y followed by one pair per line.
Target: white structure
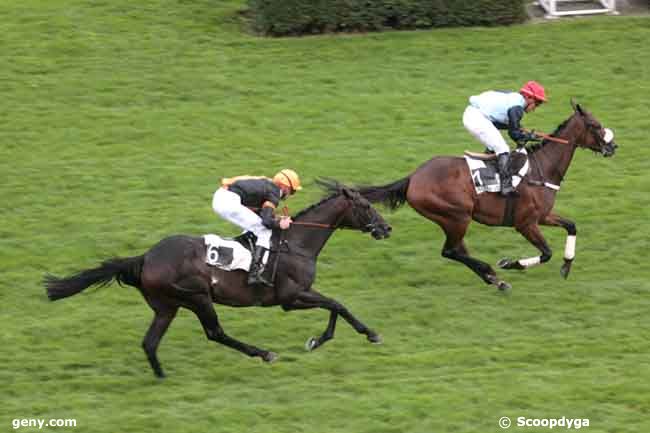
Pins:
x,y
558,8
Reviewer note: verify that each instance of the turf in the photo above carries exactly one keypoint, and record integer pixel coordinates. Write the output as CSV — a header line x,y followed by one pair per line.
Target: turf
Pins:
x,y
119,120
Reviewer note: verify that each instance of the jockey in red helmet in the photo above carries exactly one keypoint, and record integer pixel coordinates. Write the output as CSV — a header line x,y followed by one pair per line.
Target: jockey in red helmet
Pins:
x,y
493,110
534,92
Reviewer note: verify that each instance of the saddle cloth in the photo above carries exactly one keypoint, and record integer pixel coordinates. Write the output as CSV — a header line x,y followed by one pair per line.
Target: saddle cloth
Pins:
x,y
485,176
226,254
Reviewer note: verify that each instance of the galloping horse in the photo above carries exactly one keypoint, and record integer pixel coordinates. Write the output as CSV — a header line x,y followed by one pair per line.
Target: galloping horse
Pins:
x,y
173,274
442,190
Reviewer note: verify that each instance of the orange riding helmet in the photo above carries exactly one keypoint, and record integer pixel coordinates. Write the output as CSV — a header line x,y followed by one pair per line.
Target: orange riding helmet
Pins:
x,y
288,177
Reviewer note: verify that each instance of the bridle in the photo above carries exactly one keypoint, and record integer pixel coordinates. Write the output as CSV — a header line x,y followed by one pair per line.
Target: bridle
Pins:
x,y
595,132
589,126
337,225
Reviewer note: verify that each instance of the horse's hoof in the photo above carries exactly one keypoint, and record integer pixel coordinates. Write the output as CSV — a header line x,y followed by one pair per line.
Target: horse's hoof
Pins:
x,y
311,344
270,357
375,339
564,273
503,286
510,264
566,268
503,263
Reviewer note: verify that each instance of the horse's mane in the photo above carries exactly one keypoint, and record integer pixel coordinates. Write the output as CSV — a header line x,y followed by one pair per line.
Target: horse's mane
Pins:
x,y
535,147
332,187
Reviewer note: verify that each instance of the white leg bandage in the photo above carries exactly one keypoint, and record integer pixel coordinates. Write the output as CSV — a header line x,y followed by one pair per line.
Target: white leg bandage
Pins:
x,y
532,261
570,247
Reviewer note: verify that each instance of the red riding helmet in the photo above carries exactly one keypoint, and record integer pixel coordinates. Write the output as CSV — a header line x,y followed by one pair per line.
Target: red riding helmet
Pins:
x,y
534,90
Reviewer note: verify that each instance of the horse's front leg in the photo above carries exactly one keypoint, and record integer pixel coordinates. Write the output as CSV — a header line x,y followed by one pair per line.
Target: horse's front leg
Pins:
x,y
313,299
328,334
570,245
533,234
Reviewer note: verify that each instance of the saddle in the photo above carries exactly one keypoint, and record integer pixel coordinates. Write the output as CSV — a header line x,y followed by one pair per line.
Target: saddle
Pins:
x,y
483,169
485,156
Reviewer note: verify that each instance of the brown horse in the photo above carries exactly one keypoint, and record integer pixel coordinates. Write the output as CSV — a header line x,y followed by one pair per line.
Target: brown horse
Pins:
x,y
442,190
173,274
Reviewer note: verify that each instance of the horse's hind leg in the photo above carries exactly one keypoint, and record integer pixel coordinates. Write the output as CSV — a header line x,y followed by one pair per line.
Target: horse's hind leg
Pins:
x,y
201,305
454,249
313,299
160,323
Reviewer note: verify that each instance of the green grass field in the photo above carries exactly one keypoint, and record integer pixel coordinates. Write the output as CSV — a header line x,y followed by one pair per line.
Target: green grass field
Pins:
x,y
119,119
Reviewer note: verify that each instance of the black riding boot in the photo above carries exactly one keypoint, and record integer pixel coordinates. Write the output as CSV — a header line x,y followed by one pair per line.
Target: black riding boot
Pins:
x,y
257,268
503,166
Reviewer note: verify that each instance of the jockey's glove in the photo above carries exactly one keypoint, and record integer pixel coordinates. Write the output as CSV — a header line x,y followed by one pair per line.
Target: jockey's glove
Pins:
x,y
531,136
526,137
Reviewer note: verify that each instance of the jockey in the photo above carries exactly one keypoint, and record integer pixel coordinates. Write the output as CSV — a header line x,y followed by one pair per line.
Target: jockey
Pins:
x,y
249,203
493,110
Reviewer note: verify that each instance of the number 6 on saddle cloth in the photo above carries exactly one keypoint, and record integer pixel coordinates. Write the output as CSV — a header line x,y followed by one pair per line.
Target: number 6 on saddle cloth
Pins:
x,y
229,254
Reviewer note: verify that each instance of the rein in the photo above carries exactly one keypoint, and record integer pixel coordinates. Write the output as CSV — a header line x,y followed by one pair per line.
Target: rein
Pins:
x,y
283,242
543,182
549,137
317,225
285,212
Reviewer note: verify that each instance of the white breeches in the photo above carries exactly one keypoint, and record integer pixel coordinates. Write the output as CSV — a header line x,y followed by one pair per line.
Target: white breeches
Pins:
x,y
484,131
228,205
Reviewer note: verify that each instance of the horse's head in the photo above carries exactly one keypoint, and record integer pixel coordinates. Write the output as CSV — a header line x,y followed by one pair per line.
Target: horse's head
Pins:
x,y
361,215
353,211
595,136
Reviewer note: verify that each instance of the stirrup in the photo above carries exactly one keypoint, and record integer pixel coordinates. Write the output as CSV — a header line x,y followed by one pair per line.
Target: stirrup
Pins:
x,y
508,191
256,275
257,278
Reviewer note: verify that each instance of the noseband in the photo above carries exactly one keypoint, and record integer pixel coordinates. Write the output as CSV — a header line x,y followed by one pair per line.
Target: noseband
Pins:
x,y
595,132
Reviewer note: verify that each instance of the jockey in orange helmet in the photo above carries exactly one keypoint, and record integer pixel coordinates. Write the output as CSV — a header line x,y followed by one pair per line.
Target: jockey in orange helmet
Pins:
x,y
493,110
249,203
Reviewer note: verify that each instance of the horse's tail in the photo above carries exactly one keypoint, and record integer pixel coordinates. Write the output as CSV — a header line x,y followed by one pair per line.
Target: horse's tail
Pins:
x,y
123,270
392,195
